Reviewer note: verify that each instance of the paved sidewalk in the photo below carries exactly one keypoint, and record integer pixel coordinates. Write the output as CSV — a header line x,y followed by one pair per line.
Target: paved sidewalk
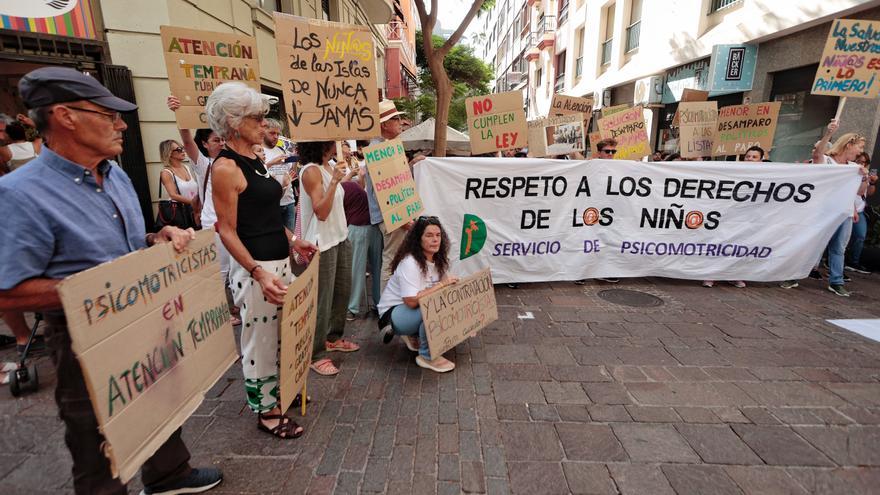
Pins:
x,y
717,391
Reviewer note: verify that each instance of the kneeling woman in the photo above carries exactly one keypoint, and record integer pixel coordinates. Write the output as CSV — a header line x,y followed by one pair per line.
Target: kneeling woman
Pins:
x,y
420,267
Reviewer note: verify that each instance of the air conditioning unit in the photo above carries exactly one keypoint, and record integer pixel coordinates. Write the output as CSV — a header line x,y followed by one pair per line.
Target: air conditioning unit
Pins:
x,y
601,99
515,76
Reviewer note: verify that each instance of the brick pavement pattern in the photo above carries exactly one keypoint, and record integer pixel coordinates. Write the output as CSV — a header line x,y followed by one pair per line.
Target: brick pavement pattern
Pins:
x,y
717,391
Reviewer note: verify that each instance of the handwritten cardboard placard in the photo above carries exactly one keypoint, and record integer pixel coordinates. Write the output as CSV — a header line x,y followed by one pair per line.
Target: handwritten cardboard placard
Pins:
x,y
606,111
299,316
152,332
742,126
566,105
850,60
557,135
393,183
199,61
458,311
329,73
496,122
689,95
628,128
699,126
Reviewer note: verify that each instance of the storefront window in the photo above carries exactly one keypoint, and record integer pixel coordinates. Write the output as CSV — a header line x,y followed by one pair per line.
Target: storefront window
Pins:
x,y
802,116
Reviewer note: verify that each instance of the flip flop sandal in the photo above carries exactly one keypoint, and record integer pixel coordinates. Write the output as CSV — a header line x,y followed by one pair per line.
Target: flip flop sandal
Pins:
x,y
285,430
297,401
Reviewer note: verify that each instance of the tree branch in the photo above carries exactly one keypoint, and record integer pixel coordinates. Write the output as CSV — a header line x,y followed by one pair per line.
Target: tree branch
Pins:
x,y
427,20
475,7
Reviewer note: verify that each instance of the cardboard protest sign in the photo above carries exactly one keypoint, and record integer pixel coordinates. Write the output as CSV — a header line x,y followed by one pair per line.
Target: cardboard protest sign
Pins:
x,y
496,122
566,105
742,126
393,183
199,61
689,95
152,332
850,60
606,111
458,311
628,128
699,126
558,135
329,73
297,332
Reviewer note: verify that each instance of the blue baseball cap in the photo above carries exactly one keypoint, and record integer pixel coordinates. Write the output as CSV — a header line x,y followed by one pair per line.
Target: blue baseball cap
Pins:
x,y
50,85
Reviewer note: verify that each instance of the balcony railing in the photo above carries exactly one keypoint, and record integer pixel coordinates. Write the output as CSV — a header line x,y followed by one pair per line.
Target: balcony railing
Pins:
x,y
606,51
578,66
563,14
632,36
547,24
717,5
395,30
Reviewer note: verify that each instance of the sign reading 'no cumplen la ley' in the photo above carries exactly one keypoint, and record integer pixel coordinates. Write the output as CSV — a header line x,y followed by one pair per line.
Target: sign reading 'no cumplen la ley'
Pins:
x,y
152,332
329,77
496,122
199,61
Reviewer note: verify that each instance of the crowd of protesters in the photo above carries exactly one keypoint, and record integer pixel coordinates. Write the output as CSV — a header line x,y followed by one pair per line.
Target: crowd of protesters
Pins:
x,y
272,205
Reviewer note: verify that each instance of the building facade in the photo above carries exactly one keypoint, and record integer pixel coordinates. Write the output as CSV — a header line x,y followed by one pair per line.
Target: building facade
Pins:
x,y
648,52
401,73
118,42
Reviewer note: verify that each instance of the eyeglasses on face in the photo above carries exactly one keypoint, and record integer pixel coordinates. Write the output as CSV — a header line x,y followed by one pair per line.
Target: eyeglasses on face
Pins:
x,y
179,149
113,116
259,117
608,151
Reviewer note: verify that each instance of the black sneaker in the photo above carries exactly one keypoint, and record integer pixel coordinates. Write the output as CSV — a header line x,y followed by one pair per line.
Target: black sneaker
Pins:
x,y
847,278
840,290
387,333
860,268
816,274
580,282
198,481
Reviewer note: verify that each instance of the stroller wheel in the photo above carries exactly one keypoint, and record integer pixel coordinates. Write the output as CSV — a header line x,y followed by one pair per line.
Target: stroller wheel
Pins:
x,y
14,386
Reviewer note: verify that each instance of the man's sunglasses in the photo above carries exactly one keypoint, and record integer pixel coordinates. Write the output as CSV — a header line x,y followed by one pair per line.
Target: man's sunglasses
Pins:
x,y
610,152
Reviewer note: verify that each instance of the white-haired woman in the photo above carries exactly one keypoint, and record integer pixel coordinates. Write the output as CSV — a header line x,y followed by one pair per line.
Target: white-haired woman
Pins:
x,y
250,225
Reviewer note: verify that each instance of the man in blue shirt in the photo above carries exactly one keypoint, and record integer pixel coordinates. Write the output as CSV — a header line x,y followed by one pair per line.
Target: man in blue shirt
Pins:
x,y
69,210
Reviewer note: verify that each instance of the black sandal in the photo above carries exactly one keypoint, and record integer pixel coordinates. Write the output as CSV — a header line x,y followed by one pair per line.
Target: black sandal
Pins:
x,y
286,428
297,401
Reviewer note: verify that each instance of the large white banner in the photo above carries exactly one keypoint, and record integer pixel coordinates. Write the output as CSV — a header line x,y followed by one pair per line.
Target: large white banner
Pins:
x,y
533,220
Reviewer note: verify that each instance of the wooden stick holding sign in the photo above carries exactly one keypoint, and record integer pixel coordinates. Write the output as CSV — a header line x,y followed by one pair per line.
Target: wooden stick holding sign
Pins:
x,y
840,106
152,332
458,311
299,317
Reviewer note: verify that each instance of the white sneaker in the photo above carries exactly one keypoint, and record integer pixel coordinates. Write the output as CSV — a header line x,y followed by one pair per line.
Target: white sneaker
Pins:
x,y
440,365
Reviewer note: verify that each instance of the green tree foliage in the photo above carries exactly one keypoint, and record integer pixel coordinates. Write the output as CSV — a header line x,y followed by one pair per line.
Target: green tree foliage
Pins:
x,y
469,75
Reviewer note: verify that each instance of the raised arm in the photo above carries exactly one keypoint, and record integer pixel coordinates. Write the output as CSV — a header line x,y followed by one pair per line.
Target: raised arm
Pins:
x,y
819,152
186,136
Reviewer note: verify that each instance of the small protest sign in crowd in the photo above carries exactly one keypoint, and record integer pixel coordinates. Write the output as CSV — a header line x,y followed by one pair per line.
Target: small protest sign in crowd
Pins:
x,y
278,233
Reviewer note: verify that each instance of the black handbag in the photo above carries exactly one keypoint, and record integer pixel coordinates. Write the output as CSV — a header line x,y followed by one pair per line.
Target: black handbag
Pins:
x,y
171,212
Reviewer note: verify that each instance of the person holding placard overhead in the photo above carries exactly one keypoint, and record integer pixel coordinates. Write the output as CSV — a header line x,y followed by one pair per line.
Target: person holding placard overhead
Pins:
x,y
251,227
67,211
419,268
322,221
843,152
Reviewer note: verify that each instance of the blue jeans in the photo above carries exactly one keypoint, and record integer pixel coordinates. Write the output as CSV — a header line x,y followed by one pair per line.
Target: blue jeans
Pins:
x,y
288,216
836,249
408,321
366,249
857,241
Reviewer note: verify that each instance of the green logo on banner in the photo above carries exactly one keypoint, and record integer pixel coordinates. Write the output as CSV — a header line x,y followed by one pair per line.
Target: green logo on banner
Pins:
x,y
473,236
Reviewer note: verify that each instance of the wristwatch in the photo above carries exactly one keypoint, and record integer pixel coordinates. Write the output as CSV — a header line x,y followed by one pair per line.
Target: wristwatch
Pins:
x,y
293,238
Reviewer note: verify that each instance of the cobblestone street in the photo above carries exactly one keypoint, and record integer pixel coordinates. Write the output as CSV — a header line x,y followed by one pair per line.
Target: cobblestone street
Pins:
x,y
715,391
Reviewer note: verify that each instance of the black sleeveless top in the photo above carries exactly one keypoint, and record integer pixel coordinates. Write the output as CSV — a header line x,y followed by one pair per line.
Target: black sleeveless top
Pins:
x,y
260,225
